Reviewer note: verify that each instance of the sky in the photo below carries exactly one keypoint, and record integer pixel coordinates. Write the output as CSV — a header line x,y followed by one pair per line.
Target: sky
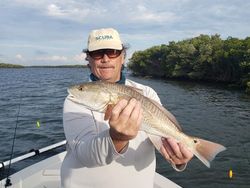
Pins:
x,y
48,32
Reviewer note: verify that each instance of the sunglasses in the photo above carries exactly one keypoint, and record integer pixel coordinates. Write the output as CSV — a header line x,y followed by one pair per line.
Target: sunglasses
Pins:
x,y
99,54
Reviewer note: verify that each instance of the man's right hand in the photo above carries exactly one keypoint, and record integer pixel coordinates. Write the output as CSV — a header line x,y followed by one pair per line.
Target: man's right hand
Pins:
x,y
125,121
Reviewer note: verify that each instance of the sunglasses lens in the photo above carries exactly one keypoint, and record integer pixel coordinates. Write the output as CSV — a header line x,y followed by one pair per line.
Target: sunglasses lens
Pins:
x,y
98,54
111,53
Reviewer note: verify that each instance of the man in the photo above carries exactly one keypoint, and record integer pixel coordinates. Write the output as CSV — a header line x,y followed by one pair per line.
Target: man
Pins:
x,y
113,153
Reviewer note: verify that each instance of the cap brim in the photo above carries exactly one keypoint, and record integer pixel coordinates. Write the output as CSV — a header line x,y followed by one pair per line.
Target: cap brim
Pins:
x,y
104,46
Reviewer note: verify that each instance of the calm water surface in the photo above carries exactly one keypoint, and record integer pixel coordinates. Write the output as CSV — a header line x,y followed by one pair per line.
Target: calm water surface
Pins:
x,y
211,112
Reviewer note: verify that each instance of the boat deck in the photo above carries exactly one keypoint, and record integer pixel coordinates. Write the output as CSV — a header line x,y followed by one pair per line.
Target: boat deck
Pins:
x,y
46,174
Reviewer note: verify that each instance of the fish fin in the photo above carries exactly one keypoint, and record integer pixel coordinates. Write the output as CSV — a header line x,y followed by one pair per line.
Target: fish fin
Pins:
x,y
108,111
156,141
206,150
169,114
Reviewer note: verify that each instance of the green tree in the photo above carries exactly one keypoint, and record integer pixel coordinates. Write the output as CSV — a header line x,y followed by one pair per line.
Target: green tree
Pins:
x,y
203,57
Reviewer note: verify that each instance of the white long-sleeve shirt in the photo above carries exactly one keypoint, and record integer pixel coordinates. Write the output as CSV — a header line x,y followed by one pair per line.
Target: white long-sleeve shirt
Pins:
x,y
92,160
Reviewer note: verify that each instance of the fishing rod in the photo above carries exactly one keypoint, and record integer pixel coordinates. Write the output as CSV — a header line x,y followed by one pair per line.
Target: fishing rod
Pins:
x,y
33,152
8,181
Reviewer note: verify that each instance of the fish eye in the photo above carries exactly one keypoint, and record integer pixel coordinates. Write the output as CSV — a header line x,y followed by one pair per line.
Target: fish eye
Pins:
x,y
195,141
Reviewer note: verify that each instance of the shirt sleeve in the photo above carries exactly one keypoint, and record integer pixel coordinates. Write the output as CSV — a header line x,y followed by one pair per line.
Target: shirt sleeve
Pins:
x,y
90,145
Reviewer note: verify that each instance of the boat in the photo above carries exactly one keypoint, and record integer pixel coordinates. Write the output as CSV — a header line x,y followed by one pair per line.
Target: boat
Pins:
x,y
46,173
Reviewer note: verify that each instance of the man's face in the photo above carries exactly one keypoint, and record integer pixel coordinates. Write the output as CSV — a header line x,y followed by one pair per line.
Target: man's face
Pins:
x,y
106,64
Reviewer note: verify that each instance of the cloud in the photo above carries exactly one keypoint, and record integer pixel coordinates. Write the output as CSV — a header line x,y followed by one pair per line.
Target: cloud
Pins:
x,y
48,60
143,14
57,59
87,11
79,58
67,12
52,58
57,30
19,57
55,10
39,49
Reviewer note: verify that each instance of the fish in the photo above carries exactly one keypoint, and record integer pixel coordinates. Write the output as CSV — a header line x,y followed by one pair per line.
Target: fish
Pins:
x,y
158,121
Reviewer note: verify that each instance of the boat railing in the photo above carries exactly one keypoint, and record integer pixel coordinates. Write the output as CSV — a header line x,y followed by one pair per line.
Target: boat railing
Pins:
x,y
32,153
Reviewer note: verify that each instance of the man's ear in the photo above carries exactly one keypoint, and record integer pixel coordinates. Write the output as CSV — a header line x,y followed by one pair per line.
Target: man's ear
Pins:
x,y
125,54
88,65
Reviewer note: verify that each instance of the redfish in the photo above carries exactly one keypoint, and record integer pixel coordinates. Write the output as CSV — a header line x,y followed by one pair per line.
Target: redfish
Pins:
x,y
157,120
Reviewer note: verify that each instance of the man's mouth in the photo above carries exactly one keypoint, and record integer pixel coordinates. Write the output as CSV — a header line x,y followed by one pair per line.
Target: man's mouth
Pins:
x,y
106,67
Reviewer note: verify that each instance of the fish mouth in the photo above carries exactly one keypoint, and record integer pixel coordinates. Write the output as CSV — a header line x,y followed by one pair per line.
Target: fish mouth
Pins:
x,y
75,100
72,98
69,92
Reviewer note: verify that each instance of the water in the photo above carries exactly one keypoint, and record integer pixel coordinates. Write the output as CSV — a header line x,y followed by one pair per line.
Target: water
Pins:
x,y
211,112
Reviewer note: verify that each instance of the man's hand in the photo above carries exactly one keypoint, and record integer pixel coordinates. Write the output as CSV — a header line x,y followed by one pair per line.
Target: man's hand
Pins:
x,y
125,120
175,152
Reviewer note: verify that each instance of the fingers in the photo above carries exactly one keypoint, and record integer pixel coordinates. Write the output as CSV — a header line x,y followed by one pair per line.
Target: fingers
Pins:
x,y
170,146
136,117
118,109
175,152
125,119
185,152
165,153
140,118
126,110
175,149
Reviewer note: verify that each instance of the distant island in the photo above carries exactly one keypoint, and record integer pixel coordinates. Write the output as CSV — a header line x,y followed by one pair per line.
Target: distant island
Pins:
x,y
58,66
6,65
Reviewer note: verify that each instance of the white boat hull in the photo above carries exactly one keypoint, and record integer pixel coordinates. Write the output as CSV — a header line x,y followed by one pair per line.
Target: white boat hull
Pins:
x,y
46,174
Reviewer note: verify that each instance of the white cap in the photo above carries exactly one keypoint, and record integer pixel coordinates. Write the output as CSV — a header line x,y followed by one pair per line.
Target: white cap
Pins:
x,y
107,38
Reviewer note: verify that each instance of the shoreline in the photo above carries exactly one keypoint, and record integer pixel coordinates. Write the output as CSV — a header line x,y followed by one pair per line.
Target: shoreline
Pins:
x,y
41,66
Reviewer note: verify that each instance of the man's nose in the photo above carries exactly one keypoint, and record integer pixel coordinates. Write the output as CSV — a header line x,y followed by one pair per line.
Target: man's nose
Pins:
x,y
105,58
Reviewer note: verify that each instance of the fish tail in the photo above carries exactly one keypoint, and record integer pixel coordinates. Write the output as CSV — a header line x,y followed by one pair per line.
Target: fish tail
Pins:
x,y
206,151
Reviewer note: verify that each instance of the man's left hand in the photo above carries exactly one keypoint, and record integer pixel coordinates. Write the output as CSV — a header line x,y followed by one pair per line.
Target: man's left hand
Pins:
x,y
175,152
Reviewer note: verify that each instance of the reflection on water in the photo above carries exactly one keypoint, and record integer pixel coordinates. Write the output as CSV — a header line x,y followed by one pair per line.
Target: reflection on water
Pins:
x,y
204,110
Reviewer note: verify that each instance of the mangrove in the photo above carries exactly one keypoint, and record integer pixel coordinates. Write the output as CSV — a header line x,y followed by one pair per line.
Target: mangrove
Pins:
x,y
203,58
